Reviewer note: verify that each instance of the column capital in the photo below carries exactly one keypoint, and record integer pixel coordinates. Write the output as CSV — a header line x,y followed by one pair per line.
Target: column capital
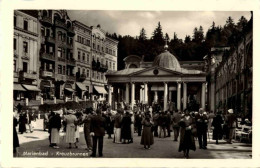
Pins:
x,y
145,82
165,82
132,82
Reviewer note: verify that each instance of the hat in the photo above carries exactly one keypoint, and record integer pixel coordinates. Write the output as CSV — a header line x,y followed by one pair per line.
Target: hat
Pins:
x,y
230,111
70,111
58,111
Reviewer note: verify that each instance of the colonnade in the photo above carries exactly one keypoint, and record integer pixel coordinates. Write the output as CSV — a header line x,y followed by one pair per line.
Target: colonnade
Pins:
x,y
167,96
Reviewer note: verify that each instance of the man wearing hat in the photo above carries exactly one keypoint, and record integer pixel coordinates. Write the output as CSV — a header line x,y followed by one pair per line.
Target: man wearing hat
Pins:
x,y
231,124
202,125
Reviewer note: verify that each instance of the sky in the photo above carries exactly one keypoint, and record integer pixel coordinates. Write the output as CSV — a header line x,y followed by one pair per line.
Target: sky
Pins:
x,y
131,22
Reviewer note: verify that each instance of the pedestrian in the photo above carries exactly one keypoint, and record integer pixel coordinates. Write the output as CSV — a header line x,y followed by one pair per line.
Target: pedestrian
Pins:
x,y
97,128
78,115
202,127
132,126
176,128
117,125
54,126
147,136
15,137
162,125
155,122
29,119
217,127
19,107
71,121
231,124
22,123
126,128
110,125
138,123
49,127
87,123
168,119
45,121
187,141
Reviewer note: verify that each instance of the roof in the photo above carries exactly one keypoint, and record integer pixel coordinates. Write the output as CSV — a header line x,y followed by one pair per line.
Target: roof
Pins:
x,y
166,60
127,71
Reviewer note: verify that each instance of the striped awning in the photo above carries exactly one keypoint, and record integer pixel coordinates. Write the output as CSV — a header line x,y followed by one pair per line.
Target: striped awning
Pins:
x,y
69,89
31,88
18,87
100,89
81,86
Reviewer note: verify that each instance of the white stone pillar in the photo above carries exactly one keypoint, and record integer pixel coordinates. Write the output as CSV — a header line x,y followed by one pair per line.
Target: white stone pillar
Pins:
x,y
54,100
179,96
26,101
66,99
109,95
203,94
145,93
184,96
41,100
156,96
132,95
127,93
165,97
141,95
170,95
85,98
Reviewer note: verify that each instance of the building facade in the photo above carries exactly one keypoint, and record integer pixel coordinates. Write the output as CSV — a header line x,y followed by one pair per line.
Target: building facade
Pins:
x,y
25,60
57,63
82,55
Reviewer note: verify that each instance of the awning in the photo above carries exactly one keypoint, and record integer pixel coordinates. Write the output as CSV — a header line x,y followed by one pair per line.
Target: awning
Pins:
x,y
18,87
100,89
69,89
81,86
31,88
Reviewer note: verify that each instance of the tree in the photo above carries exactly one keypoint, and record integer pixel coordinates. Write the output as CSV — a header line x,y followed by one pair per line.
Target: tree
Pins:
x,y
167,38
187,39
157,36
142,36
242,22
198,35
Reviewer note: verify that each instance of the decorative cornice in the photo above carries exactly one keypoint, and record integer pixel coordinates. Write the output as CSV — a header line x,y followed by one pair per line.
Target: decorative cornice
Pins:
x,y
26,31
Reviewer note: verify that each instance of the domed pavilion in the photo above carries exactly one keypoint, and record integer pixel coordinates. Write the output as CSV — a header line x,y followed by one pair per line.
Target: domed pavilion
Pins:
x,y
165,81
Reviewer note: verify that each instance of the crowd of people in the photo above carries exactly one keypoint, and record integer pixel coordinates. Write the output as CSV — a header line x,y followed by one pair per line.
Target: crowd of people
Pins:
x,y
120,127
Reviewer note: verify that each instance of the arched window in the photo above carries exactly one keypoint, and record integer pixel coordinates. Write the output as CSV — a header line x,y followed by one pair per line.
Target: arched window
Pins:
x,y
45,13
59,35
132,66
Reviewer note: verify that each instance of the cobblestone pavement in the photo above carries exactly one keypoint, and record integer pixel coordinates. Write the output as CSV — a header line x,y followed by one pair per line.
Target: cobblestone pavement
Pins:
x,y
36,144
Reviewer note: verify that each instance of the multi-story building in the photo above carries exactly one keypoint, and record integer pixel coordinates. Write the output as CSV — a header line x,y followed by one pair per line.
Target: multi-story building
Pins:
x,y
25,45
104,57
56,54
82,55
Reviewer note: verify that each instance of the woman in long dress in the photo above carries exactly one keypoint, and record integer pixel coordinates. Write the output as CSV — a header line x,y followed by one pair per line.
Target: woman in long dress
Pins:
x,y
217,130
186,136
132,126
147,135
126,128
71,120
55,125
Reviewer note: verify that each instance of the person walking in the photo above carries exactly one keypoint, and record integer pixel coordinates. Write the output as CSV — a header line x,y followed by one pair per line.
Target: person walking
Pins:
x,y
15,137
168,119
155,122
54,126
70,121
78,115
22,123
176,128
162,125
138,123
231,124
110,125
132,126
87,123
29,119
187,141
97,128
217,127
202,127
117,125
126,128
147,136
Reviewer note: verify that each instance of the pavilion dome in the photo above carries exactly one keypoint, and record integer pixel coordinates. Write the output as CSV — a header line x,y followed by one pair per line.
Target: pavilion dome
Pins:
x,y
166,60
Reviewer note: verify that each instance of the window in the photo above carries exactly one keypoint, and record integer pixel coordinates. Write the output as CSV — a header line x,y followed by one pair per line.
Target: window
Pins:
x,y
14,43
63,53
59,52
83,71
87,73
87,58
42,31
98,47
106,63
14,21
25,25
25,66
102,49
78,38
109,65
59,69
78,55
106,50
114,68
88,42
48,32
59,36
97,75
25,47
83,57
94,45
83,41
93,74
14,65
50,66
63,70
79,70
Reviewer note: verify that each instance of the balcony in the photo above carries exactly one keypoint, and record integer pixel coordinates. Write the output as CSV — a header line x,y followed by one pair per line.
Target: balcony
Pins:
x,y
25,56
61,59
29,75
71,31
71,78
59,23
46,21
48,56
61,77
71,62
47,74
70,46
50,39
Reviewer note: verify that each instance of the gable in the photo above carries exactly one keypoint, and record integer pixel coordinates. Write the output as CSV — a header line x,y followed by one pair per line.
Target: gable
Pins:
x,y
156,71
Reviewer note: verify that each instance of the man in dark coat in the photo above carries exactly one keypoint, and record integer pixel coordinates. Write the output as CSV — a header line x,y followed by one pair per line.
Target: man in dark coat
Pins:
x,y
15,136
97,128
55,122
168,119
138,122
19,107
231,124
110,125
87,123
176,127
202,127
126,128
22,123
155,121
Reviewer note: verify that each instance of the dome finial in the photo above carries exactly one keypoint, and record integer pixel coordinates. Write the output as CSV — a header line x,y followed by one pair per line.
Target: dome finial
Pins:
x,y
166,46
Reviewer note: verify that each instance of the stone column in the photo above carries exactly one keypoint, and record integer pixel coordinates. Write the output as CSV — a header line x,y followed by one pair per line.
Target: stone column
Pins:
x,y
54,100
184,95
26,101
165,97
156,96
141,95
132,94
179,96
41,100
109,95
127,93
170,95
145,93
203,94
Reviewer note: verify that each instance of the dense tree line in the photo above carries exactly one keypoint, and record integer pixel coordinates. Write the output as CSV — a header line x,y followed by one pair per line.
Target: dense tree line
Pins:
x,y
193,47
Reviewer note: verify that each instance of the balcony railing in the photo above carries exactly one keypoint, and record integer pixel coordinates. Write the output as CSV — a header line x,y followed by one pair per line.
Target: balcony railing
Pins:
x,y
61,59
48,56
29,75
60,24
70,46
46,20
47,74
71,62
50,39
71,31
61,77
71,77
